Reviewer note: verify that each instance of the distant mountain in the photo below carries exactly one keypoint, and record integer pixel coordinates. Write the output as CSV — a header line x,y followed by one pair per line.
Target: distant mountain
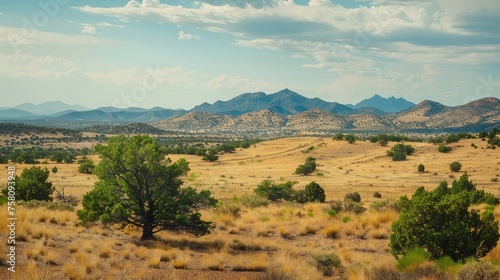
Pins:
x,y
390,105
131,115
284,102
49,108
7,114
426,116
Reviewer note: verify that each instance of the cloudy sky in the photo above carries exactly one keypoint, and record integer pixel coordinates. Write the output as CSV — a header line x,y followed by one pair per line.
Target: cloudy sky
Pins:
x,y
180,53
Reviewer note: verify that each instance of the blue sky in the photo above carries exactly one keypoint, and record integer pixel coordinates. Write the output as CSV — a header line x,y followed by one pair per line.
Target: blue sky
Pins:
x,y
177,54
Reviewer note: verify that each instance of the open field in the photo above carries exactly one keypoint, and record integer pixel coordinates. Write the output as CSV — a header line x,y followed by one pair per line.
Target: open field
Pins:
x,y
279,237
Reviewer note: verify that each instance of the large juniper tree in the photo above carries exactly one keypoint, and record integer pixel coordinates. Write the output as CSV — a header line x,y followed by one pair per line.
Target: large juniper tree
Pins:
x,y
139,186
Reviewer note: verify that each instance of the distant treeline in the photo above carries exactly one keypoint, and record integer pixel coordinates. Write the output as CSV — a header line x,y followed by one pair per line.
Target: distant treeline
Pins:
x,y
30,155
201,149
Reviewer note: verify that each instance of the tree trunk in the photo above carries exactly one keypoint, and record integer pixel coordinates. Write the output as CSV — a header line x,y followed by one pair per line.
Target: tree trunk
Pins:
x,y
147,231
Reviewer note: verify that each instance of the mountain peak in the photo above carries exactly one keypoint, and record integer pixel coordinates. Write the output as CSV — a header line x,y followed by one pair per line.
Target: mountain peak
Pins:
x,y
390,105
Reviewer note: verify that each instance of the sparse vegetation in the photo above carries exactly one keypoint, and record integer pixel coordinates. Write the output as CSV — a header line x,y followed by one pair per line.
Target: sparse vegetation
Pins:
x,y
455,166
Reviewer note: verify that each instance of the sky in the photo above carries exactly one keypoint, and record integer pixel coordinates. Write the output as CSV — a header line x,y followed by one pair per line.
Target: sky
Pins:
x,y
181,53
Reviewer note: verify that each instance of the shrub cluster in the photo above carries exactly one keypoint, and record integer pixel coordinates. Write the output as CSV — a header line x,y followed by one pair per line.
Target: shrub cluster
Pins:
x,y
307,168
312,192
400,151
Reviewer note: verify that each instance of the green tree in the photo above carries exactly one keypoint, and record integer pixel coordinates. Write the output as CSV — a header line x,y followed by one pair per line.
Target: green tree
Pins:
x,y
338,136
86,165
138,186
54,169
421,168
455,166
442,224
276,192
307,168
400,151
350,138
444,149
211,155
33,185
314,193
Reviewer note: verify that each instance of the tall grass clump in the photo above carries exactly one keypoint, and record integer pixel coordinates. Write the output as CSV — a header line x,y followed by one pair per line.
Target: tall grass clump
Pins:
x,y
413,259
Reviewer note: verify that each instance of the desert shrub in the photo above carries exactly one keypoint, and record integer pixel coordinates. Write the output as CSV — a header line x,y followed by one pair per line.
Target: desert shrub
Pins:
x,y
54,169
327,263
314,193
440,222
32,185
413,258
86,165
377,195
421,168
253,201
400,151
350,138
278,273
227,208
336,205
455,166
478,271
444,149
276,192
307,168
354,207
59,206
355,196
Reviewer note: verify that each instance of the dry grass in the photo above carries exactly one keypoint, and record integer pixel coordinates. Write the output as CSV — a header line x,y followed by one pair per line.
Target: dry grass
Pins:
x,y
278,238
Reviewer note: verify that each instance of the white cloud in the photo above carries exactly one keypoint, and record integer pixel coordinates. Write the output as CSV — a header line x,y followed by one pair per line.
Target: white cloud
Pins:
x,y
188,36
107,24
20,65
88,29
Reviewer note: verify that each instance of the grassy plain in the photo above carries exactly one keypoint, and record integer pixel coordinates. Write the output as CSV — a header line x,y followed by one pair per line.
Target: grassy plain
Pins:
x,y
280,238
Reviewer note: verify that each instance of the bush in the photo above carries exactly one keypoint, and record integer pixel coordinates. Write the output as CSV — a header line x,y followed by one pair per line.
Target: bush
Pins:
x,y
253,201
421,168
413,258
377,195
355,207
444,149
54,169
336,206
314,193
455,166
327,263
353,196
86,165
400,151
276,192
307,168
33,185
441,223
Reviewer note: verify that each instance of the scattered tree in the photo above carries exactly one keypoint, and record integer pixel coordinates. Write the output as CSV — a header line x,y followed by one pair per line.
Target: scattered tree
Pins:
x,y
211,155
138,186
307,168
455,166
442,223
421,168
350,138
54,169
86,165
314,193
33,185
400,151
276,192
444,149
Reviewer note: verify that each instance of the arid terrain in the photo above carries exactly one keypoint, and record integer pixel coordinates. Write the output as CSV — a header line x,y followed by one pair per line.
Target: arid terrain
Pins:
x,y
248,243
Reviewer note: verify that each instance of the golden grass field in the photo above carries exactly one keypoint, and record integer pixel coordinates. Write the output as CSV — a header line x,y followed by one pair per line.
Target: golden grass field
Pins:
x,y
281,236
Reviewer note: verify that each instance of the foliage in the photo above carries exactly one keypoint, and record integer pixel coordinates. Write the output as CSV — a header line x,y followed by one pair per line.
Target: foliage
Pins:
x,y
415,257
138,186
307,168
276,192
455,166
326,263
253,201
33,185
350,138
400,151
444,149
314,193
421,168
440,222
377,195
338,136
86,165
355,196
211,155
54,169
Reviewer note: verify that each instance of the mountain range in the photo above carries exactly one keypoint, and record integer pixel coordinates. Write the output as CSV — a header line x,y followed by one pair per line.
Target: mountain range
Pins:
x,y
283,110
